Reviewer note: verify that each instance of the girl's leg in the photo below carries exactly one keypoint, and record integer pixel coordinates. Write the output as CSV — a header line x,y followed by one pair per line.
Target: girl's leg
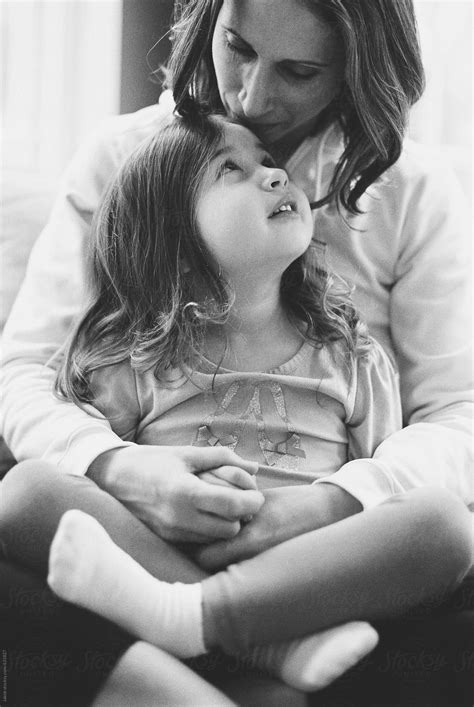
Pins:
x,y
34,496
54,654
375,565
146,676
88,569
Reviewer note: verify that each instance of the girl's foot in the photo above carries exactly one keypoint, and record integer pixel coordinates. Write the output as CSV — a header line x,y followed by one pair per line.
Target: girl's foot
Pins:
x,y
314,662
87,568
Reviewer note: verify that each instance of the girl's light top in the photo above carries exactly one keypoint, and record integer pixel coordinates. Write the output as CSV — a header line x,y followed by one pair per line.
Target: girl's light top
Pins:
x,y
407,255
303,420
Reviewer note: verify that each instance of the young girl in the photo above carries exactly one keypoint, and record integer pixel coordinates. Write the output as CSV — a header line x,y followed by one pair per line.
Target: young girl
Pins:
x,y
213,323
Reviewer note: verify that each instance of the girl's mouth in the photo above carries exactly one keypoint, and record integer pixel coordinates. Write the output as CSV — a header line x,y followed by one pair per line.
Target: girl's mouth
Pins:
x,y
285,207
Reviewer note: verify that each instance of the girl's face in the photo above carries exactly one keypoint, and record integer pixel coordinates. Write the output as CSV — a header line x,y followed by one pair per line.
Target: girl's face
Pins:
x,y
277,66
252,219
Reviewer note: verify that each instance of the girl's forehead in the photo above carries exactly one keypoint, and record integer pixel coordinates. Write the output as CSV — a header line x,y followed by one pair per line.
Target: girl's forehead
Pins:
x,y
238,137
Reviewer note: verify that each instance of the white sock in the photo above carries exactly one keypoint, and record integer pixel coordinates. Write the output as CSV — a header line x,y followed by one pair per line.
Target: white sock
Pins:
x,y
87,568
313,662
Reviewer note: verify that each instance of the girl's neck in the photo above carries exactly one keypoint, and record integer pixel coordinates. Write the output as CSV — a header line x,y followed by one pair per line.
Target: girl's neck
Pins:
x,y
257,336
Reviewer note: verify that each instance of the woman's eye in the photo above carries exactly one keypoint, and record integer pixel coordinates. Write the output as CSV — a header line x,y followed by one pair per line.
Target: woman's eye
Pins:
x,y
235,47
303,72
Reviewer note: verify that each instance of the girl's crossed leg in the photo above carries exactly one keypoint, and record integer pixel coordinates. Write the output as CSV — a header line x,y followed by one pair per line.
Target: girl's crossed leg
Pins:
x,y
377,564
34,498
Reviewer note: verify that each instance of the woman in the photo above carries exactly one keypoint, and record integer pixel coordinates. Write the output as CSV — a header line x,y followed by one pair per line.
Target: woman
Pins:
x,y
294,72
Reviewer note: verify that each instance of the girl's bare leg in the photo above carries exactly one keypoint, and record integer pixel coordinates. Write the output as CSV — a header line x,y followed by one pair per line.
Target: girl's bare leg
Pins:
x,y
378,564
146,676
88,569
33,498
375,565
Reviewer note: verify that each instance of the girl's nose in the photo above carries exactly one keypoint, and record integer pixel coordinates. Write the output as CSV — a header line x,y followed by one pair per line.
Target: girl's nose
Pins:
x,y
255,94
274,179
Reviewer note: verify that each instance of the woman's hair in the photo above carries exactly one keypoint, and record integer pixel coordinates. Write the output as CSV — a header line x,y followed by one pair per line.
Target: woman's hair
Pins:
x,y
154,286
383,78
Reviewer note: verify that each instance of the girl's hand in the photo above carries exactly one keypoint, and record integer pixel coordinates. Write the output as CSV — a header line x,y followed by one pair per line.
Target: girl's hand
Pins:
x,y
287,512
230,476
162,487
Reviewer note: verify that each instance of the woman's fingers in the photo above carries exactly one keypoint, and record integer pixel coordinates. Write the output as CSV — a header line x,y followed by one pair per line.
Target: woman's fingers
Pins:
x,y
161,486
230,476
205,458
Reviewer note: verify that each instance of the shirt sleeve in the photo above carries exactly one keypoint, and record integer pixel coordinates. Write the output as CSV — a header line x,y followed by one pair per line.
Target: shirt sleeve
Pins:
x,y
35,423
431,330
375,413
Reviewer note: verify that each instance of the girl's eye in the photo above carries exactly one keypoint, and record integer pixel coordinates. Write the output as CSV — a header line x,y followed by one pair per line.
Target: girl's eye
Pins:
x,y
228,166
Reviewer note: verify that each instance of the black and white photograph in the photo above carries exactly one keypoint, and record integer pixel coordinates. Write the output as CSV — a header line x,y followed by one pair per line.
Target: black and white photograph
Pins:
x,y
236,353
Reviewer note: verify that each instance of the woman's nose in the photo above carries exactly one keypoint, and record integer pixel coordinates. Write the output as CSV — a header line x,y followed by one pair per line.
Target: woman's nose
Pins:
x,y
255,96
274,179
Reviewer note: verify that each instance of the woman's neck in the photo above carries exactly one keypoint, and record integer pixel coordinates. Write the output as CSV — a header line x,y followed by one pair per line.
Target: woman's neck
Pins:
x,y
257,335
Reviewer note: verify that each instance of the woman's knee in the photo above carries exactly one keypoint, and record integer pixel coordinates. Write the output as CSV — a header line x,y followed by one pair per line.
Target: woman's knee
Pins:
x,y
441,525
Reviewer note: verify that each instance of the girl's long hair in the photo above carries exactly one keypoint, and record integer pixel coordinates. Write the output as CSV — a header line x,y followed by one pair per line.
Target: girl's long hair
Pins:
x,y
155,287
383,78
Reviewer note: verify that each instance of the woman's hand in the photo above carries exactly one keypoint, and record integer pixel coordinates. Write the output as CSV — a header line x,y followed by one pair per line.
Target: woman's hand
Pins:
x,y
162,487
287,512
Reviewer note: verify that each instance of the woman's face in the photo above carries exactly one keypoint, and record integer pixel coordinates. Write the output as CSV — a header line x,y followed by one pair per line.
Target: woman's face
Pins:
x,y
250,216
277,66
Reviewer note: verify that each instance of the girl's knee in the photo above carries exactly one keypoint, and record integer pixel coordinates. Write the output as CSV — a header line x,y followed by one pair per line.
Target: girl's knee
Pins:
x,y
31,490
24,482
443,527
33,496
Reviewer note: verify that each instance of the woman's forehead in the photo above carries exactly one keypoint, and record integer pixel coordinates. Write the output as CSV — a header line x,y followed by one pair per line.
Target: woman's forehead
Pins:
x,y
280,30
